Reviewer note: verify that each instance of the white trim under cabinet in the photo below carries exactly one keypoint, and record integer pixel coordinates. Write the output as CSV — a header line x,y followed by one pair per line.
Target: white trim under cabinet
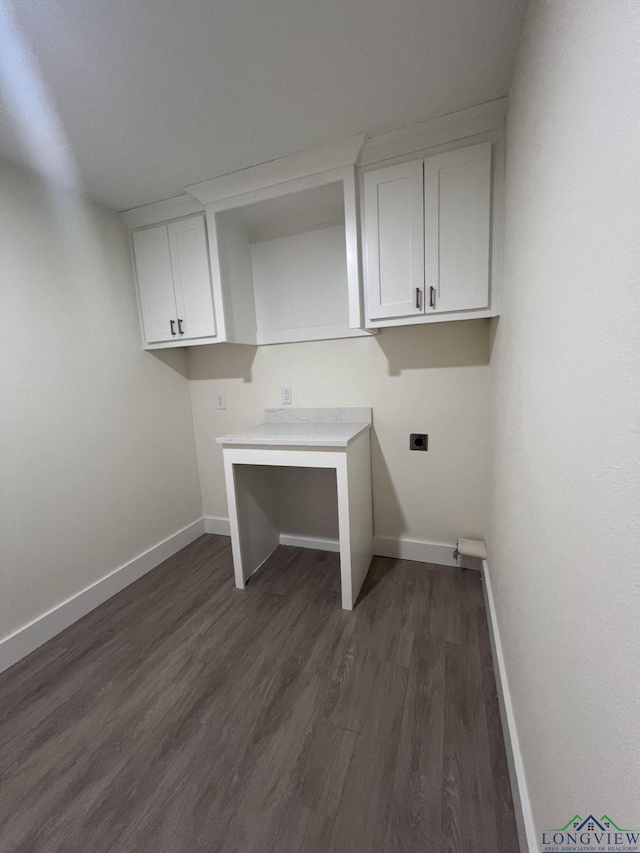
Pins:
x,y
426,238
174,283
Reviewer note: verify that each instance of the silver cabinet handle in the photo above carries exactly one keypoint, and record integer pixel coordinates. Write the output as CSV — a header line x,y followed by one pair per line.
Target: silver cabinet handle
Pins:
x,y
418,298
172,323
180,329
432,297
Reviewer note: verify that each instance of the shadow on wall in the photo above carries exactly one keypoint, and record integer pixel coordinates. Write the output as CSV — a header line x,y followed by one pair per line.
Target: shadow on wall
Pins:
x,y
393,523
175,358
494,322
221,361
452,344
306,501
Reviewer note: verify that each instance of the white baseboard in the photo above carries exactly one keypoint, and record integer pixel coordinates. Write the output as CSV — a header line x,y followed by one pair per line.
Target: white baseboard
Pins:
x,y
519,790
220,526
402,549
320,543
27,639
414,549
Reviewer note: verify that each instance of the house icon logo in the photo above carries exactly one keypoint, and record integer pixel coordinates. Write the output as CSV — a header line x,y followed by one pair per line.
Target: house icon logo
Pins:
x,y
591,834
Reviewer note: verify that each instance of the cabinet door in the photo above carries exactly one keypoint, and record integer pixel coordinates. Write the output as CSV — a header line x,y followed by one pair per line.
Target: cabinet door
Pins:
x,y
192,279
394,240
457,195
155,283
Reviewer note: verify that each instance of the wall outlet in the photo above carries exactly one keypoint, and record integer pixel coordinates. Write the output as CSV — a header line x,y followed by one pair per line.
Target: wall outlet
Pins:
x,y
286,397
221,400
418,441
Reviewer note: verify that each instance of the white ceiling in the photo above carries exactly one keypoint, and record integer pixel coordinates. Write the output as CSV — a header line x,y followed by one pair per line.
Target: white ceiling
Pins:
x,y
153,95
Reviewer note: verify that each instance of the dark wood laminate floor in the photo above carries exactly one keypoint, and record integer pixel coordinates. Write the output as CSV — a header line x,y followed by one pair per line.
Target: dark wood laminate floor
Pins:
x,y
186,715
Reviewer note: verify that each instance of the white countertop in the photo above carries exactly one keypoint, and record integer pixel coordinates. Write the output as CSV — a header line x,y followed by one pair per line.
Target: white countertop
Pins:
x,y
298,434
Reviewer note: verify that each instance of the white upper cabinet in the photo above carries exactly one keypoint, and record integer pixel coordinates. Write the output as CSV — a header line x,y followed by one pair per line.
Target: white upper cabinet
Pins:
x,y
191,278
427,237
394,211
457,208
174,283
274,253
155,284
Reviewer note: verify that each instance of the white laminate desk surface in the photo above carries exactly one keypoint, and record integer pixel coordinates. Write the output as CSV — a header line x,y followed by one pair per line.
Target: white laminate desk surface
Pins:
x,y
296,434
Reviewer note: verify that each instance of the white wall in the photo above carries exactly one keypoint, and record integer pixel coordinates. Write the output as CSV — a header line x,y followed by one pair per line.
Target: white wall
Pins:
x,y
97,454
432,379
564,549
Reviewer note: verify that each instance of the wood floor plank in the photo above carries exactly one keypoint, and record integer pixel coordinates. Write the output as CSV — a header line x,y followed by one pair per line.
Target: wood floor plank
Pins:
x,y
468,819
389,601
185,715
291,826
322,767
361,821
415,818
505,818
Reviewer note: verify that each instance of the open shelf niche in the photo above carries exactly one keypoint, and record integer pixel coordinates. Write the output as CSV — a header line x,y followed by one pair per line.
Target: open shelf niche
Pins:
x,y
286,256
